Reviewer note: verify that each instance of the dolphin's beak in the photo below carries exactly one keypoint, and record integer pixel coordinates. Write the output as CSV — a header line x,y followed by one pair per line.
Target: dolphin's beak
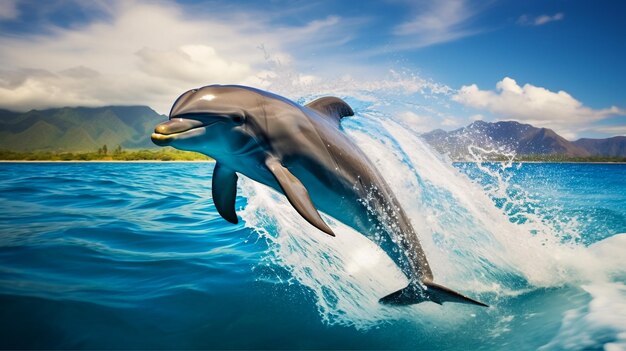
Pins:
x,y
177,125
165,132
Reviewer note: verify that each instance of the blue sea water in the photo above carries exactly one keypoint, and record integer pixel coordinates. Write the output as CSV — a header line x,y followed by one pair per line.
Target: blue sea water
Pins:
x,y
134,255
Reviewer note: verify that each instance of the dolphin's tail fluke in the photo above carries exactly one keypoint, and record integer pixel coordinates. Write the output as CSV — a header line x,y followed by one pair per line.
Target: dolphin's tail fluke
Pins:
x,y
415,293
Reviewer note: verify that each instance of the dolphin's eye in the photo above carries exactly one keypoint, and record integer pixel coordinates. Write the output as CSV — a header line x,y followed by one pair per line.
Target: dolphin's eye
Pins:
x,y
238,119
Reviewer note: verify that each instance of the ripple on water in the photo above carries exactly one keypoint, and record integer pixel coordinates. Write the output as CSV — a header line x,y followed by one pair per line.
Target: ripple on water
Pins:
x,y
91,251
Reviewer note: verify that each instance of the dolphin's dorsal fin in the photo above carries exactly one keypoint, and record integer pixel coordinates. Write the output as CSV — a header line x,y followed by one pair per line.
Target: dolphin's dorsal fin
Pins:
x,y
297,194
332,107
225,192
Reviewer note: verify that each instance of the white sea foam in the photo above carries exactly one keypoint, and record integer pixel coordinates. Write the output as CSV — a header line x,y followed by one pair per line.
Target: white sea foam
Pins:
x,y
347,273
476,239
601,322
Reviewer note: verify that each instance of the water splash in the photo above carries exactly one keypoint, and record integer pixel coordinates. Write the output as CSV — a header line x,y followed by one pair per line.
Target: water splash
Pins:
x,y
347,273
468,231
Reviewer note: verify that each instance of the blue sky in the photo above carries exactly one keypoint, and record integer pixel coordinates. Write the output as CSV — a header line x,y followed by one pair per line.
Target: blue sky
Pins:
x,y
433,64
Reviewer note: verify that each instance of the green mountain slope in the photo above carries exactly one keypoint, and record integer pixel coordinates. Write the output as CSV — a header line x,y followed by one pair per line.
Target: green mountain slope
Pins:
x,y
78,129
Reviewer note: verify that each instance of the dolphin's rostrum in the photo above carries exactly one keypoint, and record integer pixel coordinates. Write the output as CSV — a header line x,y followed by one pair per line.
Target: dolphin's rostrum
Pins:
x,y
301,152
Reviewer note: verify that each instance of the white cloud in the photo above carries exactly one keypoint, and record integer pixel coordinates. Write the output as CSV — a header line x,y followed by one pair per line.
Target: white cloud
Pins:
x,y
419,123
150,52
437,22
147,53
190,62
450,122
540,20
8,10
534,105
611,130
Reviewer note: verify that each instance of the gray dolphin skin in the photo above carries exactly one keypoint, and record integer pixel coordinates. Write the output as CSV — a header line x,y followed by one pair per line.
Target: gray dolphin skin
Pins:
x,y
301,152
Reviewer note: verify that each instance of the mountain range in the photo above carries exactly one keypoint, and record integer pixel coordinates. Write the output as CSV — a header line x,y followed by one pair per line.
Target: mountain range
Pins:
x,y
85,129
78,129
519,139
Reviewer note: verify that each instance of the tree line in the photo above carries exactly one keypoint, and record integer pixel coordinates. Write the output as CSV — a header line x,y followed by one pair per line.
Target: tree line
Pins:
x,y
103,154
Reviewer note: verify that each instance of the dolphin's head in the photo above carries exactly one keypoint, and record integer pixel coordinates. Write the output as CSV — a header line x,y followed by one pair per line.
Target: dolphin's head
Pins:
x,y
210,120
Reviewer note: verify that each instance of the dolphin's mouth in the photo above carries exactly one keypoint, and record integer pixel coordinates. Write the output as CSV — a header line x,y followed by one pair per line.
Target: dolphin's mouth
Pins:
x,y
166,132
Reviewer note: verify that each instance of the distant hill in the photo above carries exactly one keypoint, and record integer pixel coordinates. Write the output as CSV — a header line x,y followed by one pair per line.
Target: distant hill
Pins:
x,y
78,129
521,139
615,146
85,129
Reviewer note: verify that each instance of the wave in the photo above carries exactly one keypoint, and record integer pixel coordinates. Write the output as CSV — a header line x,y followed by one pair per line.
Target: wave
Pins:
x,y
474,240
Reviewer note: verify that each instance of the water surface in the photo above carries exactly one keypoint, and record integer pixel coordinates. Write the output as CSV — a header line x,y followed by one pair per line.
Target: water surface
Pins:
x,y
134,255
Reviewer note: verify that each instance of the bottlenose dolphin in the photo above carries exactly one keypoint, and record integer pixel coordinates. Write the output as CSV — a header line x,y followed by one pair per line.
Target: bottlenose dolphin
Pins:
x,y
301,152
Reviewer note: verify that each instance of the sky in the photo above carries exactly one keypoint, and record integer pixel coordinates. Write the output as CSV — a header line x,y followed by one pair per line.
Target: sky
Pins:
x,y
431,64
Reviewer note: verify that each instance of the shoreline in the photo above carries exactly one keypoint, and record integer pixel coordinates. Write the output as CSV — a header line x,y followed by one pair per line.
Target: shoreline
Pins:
x,y
104,161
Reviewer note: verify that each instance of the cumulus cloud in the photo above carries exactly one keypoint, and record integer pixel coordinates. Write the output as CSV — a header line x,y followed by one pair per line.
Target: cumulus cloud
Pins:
x,y
145,54
148,53
423,123
532,104
539,20
419,123
191,62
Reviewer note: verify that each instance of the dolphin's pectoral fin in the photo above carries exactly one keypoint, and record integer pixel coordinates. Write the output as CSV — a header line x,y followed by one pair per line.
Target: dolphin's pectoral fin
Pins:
x,y
297,195
332,107
225,192
414,293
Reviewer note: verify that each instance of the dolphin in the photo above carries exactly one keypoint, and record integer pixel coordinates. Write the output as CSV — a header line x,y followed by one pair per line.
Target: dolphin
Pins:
x,y
301,152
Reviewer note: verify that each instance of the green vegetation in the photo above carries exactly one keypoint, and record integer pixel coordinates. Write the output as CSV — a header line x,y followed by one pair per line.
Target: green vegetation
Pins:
x,y
549,158
170,154
103,154
563,158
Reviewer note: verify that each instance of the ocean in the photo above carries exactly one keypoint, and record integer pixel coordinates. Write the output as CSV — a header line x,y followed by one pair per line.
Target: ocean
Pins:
x,y
135,256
